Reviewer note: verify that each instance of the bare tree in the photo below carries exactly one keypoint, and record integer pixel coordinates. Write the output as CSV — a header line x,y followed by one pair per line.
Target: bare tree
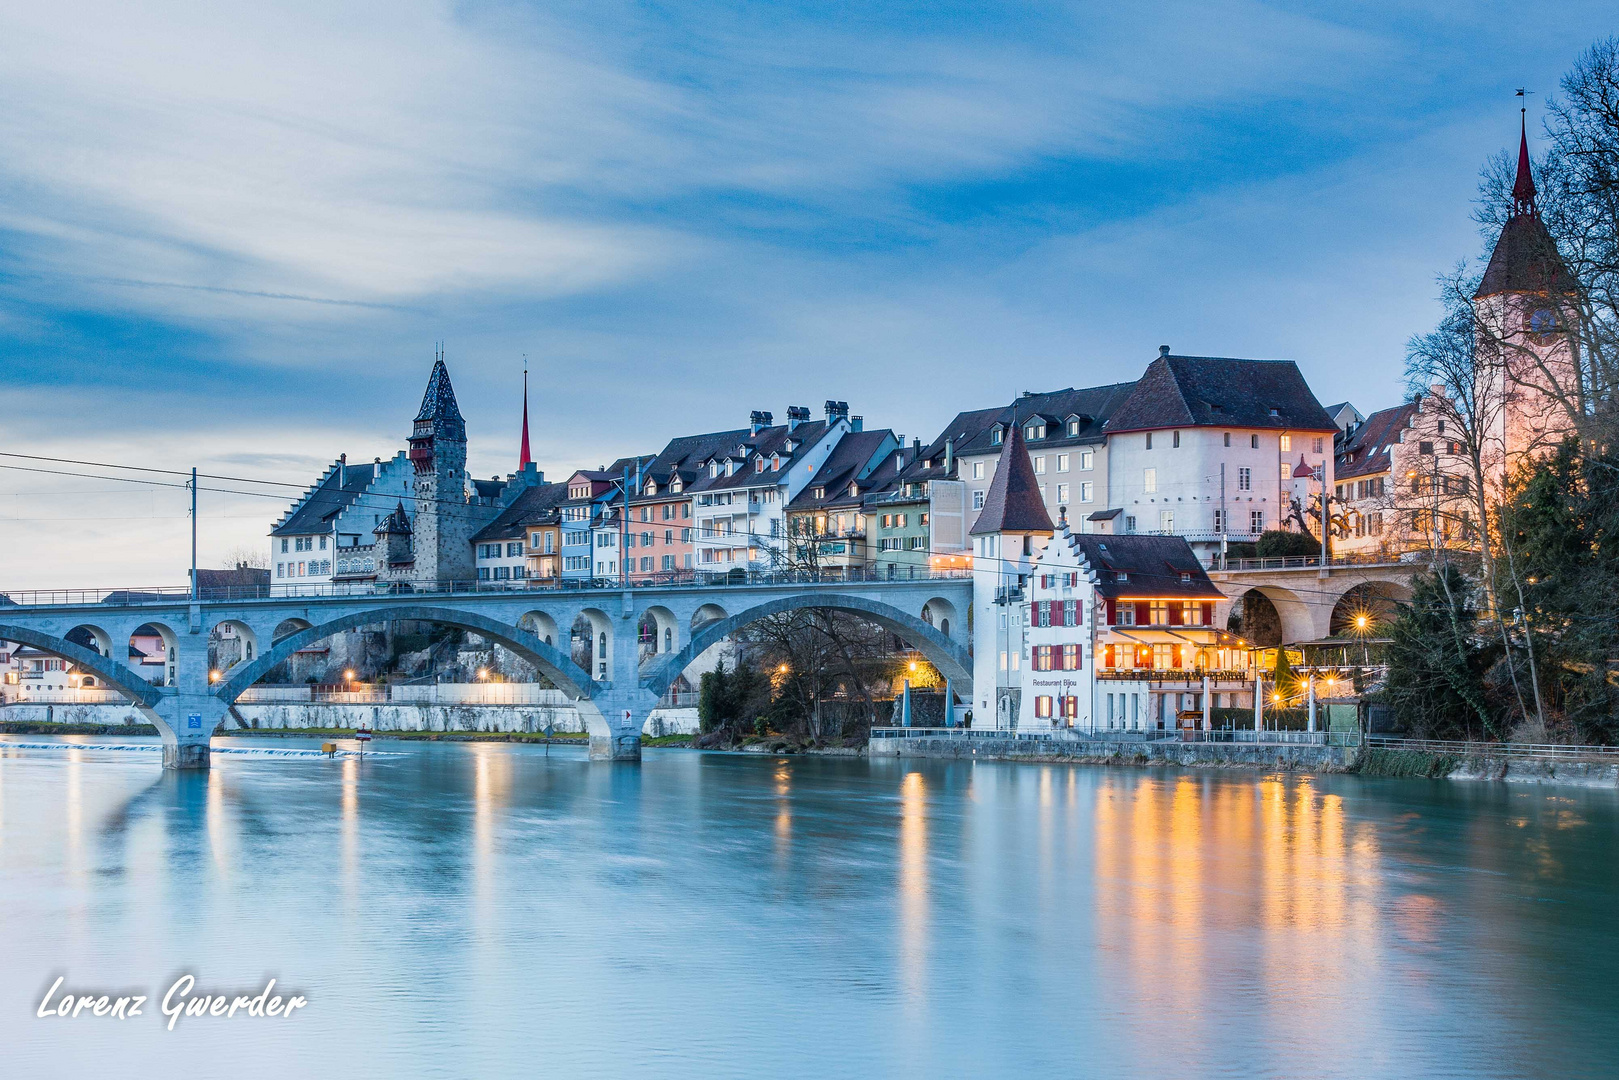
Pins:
x,y
251,557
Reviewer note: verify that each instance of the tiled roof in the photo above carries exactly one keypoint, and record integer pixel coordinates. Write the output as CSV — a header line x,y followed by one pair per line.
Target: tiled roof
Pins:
x,y
1093,406
1154,566
1217,391
966,429
1364,450
396,522
846,464
683,456
1525,259
327,500
438,403
535,506
1013,502
767,441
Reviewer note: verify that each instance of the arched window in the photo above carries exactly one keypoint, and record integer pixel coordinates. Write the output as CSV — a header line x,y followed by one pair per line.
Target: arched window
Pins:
x,y
601,646
944,627
668,640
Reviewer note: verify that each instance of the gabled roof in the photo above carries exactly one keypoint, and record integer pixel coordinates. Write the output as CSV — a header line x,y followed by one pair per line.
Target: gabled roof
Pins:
x,y
683,456
397,522
1364,450
848,463
535,506
967,428
1094,405
1013,502
234,583
766,442
1525,260
1154,567
326,500
1218,391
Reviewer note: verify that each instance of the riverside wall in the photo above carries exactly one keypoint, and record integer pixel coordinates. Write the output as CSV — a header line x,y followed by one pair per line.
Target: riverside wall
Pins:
x,y
1293,757
390,717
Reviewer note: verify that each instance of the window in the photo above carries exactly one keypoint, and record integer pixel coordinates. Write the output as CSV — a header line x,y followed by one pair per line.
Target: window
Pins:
x,y
1253,442
1228,438
503,573
1070,611
281,567
1287,472
1070,657
1042,657
1035,431
668,562
1256,521
519,571
1129,523
1219,521
647,539
996,436
514,548
283,545
1245,479
978,499
888,543
1159,610
1073,427
1315,445
1062,462
483,573
1149,440
1040,464
1149,480
576,562
1425,448
1191,613
1175,439
919,543
1166,521
1062,494
1286,444
1042,706
685,536
978,473
1086,491
1086,459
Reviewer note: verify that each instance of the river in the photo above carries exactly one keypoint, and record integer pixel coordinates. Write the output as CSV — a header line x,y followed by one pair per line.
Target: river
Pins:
x,y
482,910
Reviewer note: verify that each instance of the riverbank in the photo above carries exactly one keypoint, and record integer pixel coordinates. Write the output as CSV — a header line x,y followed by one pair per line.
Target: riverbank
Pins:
x,y
1287,757
1485,763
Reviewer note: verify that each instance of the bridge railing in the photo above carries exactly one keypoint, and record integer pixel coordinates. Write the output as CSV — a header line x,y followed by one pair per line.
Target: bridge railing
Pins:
x,y
738,578
1304,562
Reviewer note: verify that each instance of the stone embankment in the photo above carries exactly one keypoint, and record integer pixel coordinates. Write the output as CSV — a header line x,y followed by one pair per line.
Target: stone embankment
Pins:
x,y
1292,757
1464,762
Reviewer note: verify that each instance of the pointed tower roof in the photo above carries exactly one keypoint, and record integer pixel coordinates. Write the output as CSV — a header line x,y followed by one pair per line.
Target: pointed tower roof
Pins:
x,y
1013,502
1523,188
523,458
1301,470
438,403
1525,259
396,522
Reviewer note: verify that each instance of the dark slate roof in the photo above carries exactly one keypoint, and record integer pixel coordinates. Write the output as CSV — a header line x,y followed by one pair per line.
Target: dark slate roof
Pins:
x,y
396,522
535,506
326,500
766,441
1153,565
683,456
1094,406
968,428
488,489
1217,391
1013,502
236,583
849,462
1364,449
438,403
1525,259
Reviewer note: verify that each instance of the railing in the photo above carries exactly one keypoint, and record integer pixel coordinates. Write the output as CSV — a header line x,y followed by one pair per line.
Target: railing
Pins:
x,y
737,577
1440,746
1266,738
1307,562
82,696
1179,675
503,693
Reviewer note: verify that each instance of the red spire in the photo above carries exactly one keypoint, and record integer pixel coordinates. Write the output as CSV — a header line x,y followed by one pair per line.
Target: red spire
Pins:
x,y
1523,190
523,458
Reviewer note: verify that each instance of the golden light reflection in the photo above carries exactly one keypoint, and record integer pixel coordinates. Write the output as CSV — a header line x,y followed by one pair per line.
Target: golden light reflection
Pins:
x,y
491,783
784,810
913,889
219,836
350,833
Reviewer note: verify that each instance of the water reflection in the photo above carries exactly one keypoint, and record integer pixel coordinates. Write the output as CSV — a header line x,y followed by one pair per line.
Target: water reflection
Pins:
x,y
913,888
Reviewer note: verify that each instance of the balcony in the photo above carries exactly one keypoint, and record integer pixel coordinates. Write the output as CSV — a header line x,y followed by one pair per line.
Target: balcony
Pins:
x,y
1192,677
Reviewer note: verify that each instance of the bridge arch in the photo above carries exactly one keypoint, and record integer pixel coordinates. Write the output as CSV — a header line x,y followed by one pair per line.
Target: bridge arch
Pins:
x,y
556,664
951,659
110,672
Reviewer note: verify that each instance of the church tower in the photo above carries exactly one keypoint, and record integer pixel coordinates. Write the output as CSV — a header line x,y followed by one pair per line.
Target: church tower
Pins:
x,y
1523,311
1011,531
438,452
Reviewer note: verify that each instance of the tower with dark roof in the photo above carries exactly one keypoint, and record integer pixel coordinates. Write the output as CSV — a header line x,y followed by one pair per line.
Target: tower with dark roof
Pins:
x,y
442,526
1525,308
1009,534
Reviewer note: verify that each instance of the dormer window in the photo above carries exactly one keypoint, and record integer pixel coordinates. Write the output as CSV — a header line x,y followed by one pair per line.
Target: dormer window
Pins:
x,y
759,464
1186,579
1123,576
789,446
675,485
775,463
1073,427
820,493
854,490
1035,431
652,487
996,435
730,467
713,469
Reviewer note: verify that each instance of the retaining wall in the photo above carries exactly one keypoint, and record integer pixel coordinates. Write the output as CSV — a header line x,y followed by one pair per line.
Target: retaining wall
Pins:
x,y
1292,756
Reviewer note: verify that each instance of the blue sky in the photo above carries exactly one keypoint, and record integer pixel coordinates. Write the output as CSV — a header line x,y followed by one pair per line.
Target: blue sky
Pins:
x,y
231,237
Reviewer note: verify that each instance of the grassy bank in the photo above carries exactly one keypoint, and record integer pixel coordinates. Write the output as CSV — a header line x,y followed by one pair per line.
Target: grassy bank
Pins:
x,y
1380,761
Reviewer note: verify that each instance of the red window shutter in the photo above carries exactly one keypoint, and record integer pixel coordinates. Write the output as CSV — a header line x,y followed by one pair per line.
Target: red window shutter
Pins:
x,y
1112,612
1208,614
1143,613
1174,615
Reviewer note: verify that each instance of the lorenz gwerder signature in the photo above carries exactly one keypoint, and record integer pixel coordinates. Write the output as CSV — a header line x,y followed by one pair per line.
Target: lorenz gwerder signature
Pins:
x,y
181,999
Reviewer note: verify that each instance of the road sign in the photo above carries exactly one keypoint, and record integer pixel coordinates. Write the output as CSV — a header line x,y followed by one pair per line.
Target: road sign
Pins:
x,y
194,720
628,719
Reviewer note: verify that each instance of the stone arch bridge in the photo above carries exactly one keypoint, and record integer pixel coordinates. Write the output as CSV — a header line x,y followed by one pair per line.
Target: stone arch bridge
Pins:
x,y
615,696
1307,596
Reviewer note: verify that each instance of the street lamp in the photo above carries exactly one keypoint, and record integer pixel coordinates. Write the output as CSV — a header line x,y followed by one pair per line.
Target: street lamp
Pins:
x,y
213,676
483,673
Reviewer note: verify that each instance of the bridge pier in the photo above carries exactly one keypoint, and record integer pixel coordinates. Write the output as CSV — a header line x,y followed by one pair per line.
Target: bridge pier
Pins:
x,y
187,721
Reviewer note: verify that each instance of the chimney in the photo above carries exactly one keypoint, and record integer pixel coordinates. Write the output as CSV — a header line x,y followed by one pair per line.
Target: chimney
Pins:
x,y
916,444
342,470
797,414
1438,389
1163,350
949,454
758,420
835,411
857,423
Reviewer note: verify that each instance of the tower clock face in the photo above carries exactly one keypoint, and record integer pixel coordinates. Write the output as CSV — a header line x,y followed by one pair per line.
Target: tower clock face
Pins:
x,y
1542,325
